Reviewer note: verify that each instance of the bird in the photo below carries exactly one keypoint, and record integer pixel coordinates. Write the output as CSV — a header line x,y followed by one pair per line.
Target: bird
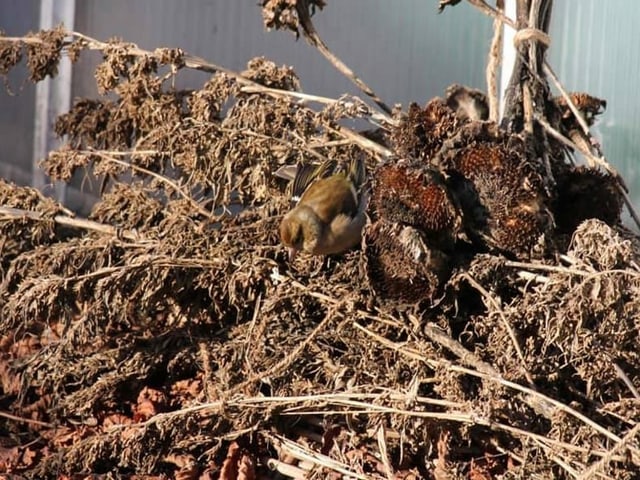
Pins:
x,y
330,209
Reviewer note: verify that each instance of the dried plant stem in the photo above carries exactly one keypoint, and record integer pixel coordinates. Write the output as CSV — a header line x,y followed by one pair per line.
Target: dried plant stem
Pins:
x,y
310,33
372,409
540,400
527,106
497,14
141,262
581,121
16,213
351,399
493,64
190,61
627,381
564,140
284,142
605,460
384,452
629,204
514,340
465,356
571,271
376,148
197,63
306,454
288,359
532,277
287,469
536,33
176,188
15,418
560,462
27,39
547,268
307,97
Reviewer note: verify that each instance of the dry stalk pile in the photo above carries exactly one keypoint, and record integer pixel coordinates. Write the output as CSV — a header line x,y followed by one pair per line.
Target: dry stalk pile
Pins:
x,y
488,326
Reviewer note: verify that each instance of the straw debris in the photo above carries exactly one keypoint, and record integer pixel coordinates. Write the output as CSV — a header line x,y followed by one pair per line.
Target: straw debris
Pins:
x,y
167,334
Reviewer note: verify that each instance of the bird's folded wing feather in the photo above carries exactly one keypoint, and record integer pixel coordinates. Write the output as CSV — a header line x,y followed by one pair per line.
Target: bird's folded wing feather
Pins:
x,y
357,172
286,172
307,174
330,197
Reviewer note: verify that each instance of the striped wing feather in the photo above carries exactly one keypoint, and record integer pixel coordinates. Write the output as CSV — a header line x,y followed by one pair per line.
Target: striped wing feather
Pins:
x,y
307,174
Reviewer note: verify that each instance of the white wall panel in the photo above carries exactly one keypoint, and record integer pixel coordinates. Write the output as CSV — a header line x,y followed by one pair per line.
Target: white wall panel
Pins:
x,y
403,49
17,17
596,49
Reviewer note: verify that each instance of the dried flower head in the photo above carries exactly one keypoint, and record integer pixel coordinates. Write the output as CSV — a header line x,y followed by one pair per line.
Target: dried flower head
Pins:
x,y
420,134
588,105
284,14
399,264
585,193
10,54
415,195
501,193
44,56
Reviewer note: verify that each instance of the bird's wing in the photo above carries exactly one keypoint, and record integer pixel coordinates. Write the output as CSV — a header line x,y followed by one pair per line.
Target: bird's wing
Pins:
x,y
286,172
307,174
330,197
357,172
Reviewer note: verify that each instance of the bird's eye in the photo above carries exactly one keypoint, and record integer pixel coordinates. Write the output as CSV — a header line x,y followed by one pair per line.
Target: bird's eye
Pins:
x,y
297,238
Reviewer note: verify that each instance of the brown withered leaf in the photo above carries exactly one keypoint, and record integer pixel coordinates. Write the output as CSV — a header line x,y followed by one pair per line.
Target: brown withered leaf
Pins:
x,y
238,465
43,56
187,466
10,458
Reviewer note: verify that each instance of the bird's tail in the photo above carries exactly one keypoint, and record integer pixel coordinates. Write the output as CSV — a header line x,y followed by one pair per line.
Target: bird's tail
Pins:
x,y
357,172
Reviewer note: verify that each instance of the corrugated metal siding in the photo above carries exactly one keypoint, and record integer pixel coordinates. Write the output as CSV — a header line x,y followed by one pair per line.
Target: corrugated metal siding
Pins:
x,y
596,49
404,50
17,17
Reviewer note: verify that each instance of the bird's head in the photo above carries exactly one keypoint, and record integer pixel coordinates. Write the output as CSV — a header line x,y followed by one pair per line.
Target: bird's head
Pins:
x,y
300,229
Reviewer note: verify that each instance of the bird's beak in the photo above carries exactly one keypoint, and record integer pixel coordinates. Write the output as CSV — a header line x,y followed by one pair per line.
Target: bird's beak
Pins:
x,y
292,253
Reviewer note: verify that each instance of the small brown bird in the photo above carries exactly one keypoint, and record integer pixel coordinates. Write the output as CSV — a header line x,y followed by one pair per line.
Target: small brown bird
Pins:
x,y
330,211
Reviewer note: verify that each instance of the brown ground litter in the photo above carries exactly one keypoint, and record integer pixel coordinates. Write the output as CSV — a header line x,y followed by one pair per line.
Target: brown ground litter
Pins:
x,y
167,335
